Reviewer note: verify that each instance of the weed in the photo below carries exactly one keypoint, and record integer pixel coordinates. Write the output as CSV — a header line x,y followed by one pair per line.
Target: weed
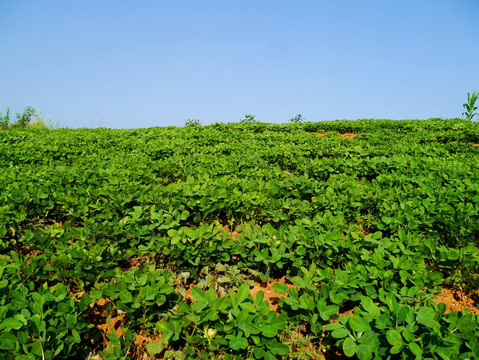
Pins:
x,y
302,346
470,106
5,120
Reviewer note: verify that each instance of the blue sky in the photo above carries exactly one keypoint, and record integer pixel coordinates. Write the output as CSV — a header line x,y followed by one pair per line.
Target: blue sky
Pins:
x,y
129,64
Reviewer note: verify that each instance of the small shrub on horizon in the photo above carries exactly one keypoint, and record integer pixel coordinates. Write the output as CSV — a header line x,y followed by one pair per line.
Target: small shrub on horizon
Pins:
x,y
23,120
31,118
248,118
192,122
298,119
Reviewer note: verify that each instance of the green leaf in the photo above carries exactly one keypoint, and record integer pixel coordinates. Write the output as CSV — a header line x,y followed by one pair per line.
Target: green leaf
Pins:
x,y
168,330
280,288
125,296
359,324
268,331
184,215
369,306
394,337
416,350
340,333
396,349
248,306
154,348
197,306
243,293
413,291
22,337
364,352
455,339
211,297
269,356
279,322
259,297
8,341
329,311
199,295
408,335
238,342
299,282
466,323
305,302
349,347
444,352
278,348
334,326
258,352
426,316
11,323
248,329
223,303
36,348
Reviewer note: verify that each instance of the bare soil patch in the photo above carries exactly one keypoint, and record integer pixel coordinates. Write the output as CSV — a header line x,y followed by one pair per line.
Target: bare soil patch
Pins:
x,y
139,351
113,325
349,136
269,294
135,262
457,301
189,297
232,234
99,316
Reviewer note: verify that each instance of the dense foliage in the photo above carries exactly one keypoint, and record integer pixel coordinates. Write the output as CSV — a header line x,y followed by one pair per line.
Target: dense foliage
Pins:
x,y
108,237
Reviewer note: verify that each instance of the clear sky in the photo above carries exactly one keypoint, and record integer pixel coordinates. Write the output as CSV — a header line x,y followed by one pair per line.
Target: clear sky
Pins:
x,y
128,64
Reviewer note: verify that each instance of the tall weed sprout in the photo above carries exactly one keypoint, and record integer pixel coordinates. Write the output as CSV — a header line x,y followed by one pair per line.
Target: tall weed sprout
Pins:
x,y
5,120
470,106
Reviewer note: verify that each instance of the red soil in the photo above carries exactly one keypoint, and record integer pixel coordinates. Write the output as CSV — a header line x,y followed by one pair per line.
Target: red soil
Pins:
x,y
458,301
